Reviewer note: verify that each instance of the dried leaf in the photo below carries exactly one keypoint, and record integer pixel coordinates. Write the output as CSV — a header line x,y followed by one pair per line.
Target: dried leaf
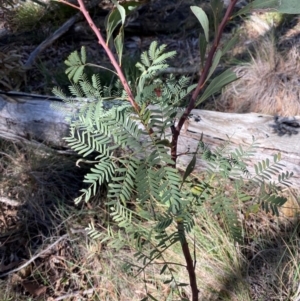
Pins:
x,y
34,288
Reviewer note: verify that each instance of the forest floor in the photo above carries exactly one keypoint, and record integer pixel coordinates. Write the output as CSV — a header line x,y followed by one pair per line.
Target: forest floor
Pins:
x,y
45,251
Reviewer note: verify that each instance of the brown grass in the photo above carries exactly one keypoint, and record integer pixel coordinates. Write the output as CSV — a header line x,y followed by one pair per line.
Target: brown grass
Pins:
x,y
80,268
269,84
265,268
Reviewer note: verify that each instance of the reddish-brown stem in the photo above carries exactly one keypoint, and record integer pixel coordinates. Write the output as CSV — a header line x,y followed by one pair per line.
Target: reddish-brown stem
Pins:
x,y
189,263
109,54
176,130
68,3
201,81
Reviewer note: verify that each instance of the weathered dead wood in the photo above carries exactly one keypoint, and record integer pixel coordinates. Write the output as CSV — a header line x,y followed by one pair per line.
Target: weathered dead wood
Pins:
x,y
32,119
10,202
241,129
56,35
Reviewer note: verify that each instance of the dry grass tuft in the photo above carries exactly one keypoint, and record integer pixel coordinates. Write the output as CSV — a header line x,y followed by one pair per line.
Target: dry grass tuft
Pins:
x,y
269,84
75,267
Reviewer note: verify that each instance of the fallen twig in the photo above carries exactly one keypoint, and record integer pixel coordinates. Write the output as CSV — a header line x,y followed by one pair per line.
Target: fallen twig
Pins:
x,y
32,259
57,34
10,202
74,294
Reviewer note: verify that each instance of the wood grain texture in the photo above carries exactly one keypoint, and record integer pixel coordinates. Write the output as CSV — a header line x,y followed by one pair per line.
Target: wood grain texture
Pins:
x,y
34,120
241,129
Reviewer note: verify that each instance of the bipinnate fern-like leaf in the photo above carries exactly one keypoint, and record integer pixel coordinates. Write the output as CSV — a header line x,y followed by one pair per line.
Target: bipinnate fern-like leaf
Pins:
x,y
132,155
154,57
227,163
171,194
122,216
233,164
123,183
264,170
175,91
92,232
284,177
270,201
161,118
152,61
97,129
164,221
76,65
130,222
226,208
100,174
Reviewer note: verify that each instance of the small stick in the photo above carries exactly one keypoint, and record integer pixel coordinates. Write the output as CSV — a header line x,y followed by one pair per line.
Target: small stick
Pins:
x,y
34,257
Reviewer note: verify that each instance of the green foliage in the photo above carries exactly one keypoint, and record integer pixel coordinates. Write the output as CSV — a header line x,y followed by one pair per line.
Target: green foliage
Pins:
x,y
32,14
226,165
110,131
97,128
151,62
26,16
289,7
203,19
76,65
133,152
258,4
216,84
282,6
114,19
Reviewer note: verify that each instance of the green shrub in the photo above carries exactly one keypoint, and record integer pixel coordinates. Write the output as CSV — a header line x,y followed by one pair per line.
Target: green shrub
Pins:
x,y
133,129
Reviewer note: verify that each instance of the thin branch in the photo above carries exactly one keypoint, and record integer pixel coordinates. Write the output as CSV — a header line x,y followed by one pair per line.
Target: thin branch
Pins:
x,y
75,294
10,202
202,80
109,54
168,262
53,37
101,67
70,4
32,259
189,263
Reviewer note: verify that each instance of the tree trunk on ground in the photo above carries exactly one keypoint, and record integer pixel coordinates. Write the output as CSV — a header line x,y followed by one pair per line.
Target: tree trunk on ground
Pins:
x,y
32,119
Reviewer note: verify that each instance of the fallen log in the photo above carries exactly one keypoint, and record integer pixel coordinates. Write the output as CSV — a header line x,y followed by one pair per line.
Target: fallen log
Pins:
x,y
32,119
